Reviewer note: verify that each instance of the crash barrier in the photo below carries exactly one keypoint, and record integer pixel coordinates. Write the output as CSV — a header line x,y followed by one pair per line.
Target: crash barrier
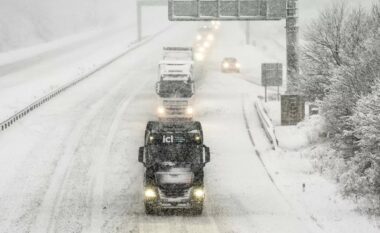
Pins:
x,y
266,123
8,122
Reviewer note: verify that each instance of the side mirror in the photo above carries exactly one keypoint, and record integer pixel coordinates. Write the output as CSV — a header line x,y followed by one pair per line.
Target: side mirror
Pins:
x,y
141,155
207,154
158,87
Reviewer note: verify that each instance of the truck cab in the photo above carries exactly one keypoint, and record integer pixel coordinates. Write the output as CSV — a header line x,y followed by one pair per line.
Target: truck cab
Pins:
x,y
174,157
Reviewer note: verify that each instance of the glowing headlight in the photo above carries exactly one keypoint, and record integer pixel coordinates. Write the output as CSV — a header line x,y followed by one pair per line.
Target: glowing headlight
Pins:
x,y
199,37
199,193
206,44
210,37
150,193
201,49
189,110
226,65
161,110
237,65
197,138
199,56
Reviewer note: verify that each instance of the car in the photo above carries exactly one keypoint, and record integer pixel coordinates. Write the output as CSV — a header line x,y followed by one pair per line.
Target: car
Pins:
x,y
230,64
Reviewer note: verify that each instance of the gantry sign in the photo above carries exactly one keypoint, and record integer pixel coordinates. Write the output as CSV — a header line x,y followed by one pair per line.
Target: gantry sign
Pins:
x,y
249,10
226,10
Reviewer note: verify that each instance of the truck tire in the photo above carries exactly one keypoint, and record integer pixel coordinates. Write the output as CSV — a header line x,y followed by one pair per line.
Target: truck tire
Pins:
x,y
149,209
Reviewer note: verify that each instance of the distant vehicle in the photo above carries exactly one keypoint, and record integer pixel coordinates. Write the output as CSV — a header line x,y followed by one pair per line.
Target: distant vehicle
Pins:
x,y
215,24
205,34
174,157
200,51
175,86
230,64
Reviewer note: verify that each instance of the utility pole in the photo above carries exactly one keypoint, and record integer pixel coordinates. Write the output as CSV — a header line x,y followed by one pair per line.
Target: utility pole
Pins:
x,y
292,45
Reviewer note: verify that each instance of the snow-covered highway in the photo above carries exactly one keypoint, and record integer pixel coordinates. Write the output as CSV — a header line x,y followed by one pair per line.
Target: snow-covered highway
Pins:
x,y
71,166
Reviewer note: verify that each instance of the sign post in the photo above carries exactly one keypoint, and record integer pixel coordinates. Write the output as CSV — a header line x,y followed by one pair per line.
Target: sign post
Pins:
x,y
292,109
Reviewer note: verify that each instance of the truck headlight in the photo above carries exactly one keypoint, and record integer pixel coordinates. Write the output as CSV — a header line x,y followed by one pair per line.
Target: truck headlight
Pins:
x,y
226,65
237,65
161,110
199,193
189,111
199,57
150,193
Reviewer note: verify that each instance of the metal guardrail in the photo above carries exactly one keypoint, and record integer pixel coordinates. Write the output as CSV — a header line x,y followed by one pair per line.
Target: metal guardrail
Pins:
x,y
25,111
266,123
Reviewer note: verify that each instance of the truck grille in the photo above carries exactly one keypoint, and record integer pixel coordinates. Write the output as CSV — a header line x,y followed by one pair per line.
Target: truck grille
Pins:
x,y
175,107
173,191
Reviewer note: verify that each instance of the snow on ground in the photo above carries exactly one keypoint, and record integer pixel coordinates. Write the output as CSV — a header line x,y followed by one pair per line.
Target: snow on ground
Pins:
x,y
292,168
29,77
71,166
28,23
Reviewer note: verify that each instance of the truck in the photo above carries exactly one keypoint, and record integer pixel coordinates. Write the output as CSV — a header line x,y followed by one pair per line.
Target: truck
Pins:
x,y
174,158
176,86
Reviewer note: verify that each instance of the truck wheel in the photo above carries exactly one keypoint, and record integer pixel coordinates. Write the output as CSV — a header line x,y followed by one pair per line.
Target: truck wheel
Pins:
x,y
149,209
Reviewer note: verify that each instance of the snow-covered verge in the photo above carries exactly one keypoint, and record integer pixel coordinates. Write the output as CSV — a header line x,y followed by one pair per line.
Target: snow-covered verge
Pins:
x,y
306,154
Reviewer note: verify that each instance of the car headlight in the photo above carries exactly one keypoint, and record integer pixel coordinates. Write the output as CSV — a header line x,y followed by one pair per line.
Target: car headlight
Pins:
x,y
199,37
189,111
226,65
150,193
199,193
161,110
237,65
210,37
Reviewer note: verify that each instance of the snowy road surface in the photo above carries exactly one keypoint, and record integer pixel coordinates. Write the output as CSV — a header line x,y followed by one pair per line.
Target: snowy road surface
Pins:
x,y
71,166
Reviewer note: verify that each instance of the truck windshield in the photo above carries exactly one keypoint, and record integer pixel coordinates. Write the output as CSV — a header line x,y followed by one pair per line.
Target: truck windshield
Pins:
x,y
181,89
177,153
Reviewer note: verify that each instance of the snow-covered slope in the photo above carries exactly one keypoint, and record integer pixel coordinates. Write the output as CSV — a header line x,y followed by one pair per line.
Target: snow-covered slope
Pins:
x,y
26,23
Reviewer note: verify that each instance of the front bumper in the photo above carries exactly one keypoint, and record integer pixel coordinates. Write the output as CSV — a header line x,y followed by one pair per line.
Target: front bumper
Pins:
x,y
185,201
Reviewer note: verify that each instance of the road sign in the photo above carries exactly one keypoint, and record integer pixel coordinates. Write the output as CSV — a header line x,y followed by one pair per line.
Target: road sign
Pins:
x,y
203,10
292,109
271,74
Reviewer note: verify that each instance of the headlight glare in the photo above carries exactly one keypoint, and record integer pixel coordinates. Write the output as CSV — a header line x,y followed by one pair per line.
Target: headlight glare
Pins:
x,y
161,110
150,193
199,193
189,111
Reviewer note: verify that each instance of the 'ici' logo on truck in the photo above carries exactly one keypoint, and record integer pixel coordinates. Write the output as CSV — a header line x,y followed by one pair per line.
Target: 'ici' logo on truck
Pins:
x,y
168,139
